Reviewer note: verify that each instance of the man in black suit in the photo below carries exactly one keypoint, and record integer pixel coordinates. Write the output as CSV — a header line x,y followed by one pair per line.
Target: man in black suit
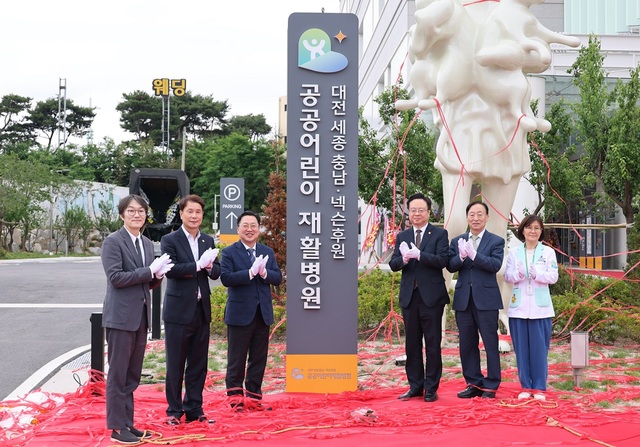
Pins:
x,y
477,257
248,270
421,253
131,270
187,311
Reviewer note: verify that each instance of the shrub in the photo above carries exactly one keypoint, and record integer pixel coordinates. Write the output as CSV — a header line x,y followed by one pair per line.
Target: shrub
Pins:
x,y
377,291
218,304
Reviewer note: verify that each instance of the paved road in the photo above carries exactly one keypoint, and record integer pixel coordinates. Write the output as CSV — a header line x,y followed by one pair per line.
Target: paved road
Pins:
x,y
45,305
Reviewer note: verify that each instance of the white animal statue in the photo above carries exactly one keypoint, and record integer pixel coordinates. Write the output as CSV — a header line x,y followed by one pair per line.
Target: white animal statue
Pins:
x,y
469,65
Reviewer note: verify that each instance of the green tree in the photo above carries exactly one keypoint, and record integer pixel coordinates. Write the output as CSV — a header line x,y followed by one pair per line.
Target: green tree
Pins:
x,y
253,126
401,156
14,125
558,179
24,185
43,120
197,115
621,170
236,156
607,126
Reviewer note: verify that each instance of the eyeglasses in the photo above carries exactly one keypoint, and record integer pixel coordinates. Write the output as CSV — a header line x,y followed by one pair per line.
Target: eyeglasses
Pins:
x,y
247,226
418,210
536,229
132,212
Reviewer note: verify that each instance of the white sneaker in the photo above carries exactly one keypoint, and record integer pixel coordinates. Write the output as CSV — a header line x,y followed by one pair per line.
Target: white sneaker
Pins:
x,y
524,395
539,396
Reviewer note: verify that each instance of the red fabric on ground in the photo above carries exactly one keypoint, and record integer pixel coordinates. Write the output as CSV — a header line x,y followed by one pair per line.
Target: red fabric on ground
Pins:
x,y
299,419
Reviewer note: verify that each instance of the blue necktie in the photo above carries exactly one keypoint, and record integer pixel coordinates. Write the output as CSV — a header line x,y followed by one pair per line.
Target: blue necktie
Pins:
x,y
252,254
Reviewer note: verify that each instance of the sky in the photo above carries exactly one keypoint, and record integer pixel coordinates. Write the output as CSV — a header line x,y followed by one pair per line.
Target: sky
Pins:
x,y
231,50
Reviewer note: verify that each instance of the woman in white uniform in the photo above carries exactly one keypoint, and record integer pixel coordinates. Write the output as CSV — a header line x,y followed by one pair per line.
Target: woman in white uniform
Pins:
x,y
531,267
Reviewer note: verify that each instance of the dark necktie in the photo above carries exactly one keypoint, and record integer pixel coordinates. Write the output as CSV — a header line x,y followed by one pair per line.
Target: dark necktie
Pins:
x,y
252,254
418,240
139,252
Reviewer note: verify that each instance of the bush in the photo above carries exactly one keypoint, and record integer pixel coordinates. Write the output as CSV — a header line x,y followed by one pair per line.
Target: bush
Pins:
x,y
218,304
377,291
609,316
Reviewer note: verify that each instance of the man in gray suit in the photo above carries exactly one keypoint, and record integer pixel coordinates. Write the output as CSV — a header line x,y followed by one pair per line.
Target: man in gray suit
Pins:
x,y
477,257
128,262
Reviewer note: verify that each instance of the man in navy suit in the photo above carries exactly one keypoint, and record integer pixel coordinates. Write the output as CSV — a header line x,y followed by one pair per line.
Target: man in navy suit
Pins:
x,y
187,311
477,257
248,270
131,270
421,253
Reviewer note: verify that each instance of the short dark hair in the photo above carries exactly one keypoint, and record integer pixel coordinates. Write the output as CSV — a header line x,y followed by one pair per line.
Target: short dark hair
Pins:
x,y
248,213
417,196
190,198
486,207
528,221
126,201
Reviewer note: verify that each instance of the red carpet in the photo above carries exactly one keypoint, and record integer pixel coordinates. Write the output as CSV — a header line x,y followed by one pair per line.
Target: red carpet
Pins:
x,y
368,418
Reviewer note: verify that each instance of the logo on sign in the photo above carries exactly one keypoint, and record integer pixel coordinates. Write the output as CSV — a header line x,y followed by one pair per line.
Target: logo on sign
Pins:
x,y
314,52
232,193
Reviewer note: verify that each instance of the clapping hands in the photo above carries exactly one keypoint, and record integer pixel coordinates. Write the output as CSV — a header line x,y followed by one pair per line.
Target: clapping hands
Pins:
x,y
207,258
471,251
161,265
408,253
259,266
520,271
462,249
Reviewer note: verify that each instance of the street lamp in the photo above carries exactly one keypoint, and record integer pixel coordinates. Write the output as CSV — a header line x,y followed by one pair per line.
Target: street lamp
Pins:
x,y
214,226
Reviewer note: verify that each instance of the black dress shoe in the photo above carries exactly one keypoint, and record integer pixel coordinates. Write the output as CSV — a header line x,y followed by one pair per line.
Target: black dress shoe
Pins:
x,y
489,395
139,433
172,420
201,418
469,392
124,437
411,393
430,397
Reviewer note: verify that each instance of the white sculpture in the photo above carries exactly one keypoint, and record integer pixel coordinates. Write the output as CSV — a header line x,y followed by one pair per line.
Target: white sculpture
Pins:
x,y
469,66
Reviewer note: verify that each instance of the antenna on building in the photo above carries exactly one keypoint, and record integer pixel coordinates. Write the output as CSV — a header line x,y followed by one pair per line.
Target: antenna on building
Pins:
x,y
90,132
62,112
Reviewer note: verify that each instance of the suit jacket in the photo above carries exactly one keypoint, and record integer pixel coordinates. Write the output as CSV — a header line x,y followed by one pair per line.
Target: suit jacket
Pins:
x,y
245,294
128,283
183,280
481,273
434,255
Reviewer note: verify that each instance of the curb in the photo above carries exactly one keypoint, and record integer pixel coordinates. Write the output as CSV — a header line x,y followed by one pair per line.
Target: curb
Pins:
x,y
41,376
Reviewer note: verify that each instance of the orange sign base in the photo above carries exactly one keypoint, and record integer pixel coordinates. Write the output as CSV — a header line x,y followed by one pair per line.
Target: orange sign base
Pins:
x,y
321,373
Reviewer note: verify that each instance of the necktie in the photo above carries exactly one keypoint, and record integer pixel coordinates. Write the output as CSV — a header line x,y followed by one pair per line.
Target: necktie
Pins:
x,y
252,254
418,240
139,252
474,240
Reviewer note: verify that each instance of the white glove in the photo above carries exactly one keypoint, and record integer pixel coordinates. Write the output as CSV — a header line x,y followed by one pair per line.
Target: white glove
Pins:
x,y
164,269
471,252
532,272
404,251
520,271
255,268
263,266
207,258
414,252
462,248
157,263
